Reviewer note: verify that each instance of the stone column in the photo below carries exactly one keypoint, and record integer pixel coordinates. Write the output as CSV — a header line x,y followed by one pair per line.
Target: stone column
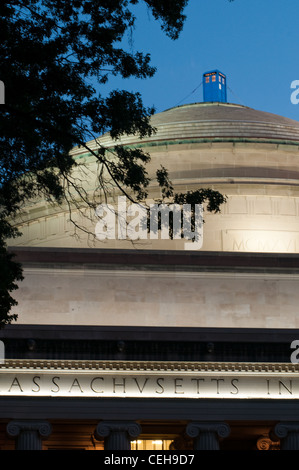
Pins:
x,y
29,434
117,434
206,435
288,433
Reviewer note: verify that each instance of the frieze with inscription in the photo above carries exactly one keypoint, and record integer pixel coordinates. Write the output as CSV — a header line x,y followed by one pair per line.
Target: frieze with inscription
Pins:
x,y
163,385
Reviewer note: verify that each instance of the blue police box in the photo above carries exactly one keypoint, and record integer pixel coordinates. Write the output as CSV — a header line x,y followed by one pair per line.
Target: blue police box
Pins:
x,y
214,87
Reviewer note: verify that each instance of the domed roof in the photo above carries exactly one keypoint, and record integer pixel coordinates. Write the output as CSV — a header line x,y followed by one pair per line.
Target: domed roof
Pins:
x,y
208,122
223,121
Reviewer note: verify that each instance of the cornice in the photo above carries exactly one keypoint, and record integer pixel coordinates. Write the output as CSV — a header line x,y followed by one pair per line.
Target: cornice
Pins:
x,y
149,366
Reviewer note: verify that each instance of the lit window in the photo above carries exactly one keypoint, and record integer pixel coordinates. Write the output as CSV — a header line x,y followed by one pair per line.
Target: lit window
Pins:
x,y
149,444
207,79
214,78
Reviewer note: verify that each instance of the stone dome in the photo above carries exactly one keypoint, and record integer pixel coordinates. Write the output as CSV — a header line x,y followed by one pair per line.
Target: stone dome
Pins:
x,y
216,122
250,156
223,121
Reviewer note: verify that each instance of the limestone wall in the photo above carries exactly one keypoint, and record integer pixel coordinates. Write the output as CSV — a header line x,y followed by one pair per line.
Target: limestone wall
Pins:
x,y
154,298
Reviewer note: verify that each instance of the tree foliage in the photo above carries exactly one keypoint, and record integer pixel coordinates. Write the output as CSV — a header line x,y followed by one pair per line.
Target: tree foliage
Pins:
x,y
51,53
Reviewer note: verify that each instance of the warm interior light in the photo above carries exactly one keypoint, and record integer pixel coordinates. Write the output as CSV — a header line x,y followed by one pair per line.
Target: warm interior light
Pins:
x,y
149,444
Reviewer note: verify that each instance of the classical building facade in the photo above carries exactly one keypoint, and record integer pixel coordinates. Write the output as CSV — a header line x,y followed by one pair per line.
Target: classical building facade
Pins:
x,y
156,343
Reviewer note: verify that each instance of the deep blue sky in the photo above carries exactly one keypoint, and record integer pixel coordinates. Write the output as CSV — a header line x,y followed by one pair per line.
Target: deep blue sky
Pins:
x,y
254,42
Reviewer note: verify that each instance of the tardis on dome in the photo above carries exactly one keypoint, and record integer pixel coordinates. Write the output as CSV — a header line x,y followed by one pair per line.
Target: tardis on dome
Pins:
x,y
214,87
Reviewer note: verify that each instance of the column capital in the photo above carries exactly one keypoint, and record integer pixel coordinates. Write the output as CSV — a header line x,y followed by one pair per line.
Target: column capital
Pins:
x,y
43,428
268,442
104,428
288,433
117,434
29,434
284,428
194,429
